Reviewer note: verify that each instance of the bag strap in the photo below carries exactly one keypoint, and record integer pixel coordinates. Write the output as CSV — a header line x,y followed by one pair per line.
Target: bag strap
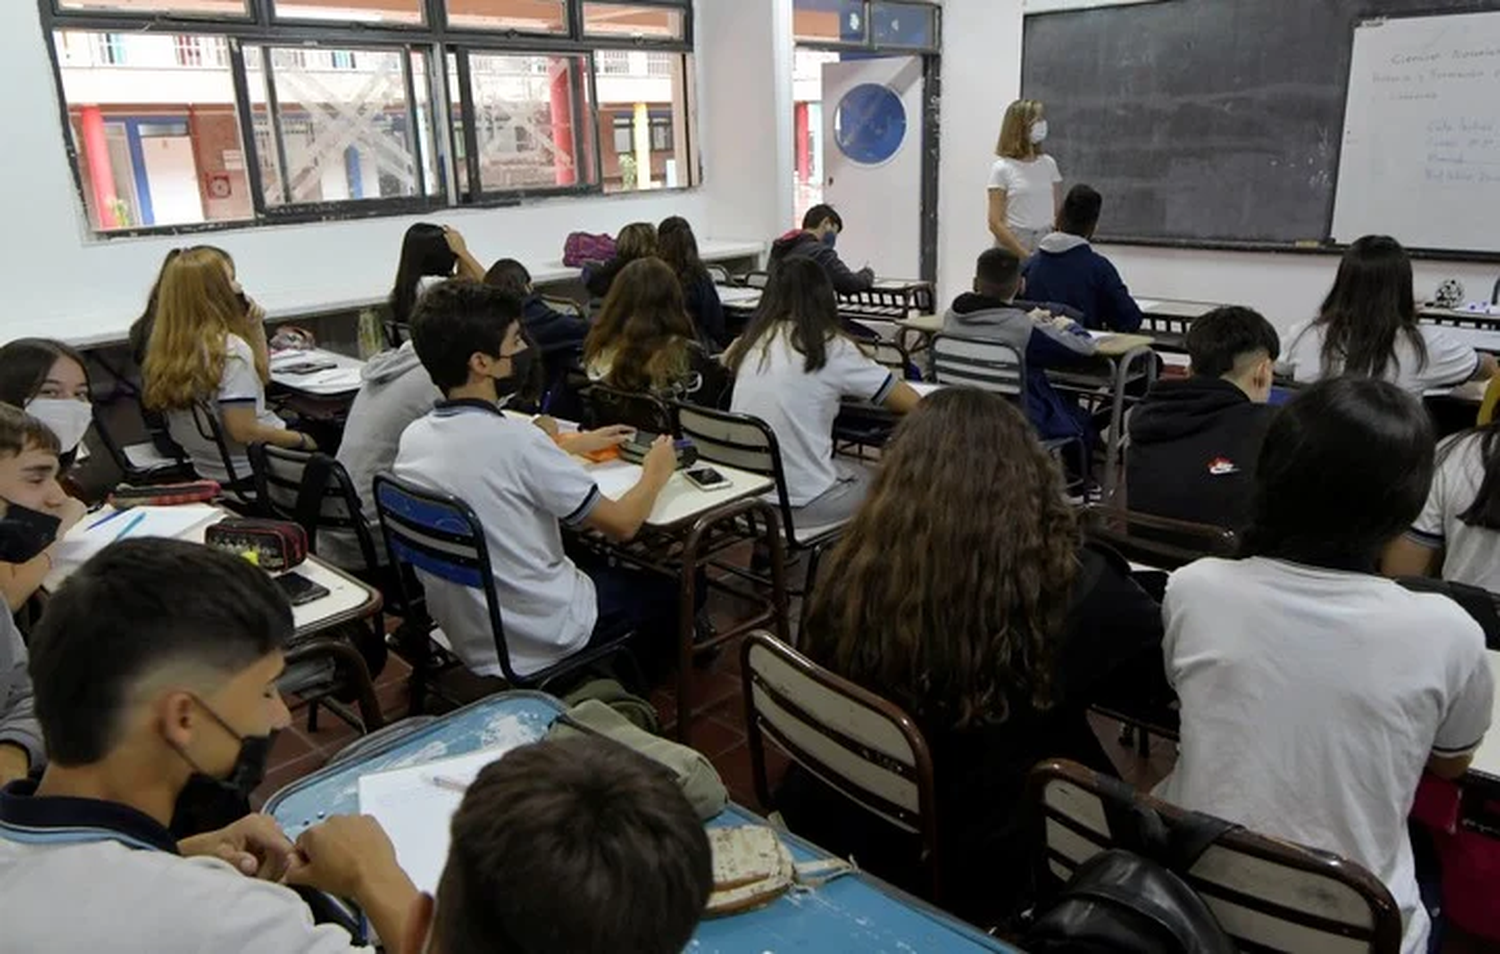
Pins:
x,y
309,507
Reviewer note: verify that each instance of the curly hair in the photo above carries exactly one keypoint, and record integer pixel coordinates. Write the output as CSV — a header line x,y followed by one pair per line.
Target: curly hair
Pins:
x,y
950,585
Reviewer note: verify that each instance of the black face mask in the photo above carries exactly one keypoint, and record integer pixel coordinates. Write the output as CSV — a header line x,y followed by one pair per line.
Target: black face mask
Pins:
x,y
520,373
24,533
249,768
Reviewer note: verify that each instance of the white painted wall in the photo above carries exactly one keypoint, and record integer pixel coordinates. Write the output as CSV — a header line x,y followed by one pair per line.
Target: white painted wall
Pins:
x,y
982,74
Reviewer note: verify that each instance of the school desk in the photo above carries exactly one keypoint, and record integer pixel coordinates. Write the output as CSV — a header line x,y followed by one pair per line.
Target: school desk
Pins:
x,y
855,914
1166,320
341,380
1120,363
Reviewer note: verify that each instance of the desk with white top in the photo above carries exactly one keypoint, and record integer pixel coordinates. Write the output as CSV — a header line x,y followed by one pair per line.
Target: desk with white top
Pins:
x,y
340,380
1486,765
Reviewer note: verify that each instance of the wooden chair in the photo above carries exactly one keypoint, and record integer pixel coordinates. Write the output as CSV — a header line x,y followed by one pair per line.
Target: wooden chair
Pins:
x,y
1267,894
1158,542
860,745
604,405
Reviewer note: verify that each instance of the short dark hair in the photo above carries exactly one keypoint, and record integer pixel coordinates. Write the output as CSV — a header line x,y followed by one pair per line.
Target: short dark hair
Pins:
x,y
509,276
1079,214
136,606
999,269
455,320
819,214
575,844
1219,339
1344,469
19,431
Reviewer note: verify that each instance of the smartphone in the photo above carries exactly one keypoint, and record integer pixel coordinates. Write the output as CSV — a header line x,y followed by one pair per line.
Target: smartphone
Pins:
x,y
298,589
307,367
706,478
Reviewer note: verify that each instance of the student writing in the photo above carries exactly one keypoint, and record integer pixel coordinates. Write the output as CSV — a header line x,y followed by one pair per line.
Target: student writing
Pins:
x,y
816,241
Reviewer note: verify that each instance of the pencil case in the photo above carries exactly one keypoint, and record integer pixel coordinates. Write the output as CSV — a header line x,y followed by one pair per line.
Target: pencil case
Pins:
x,y
126,496
277,545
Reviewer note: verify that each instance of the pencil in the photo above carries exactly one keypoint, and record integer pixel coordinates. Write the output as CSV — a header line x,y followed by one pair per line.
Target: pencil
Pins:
x,y
130,526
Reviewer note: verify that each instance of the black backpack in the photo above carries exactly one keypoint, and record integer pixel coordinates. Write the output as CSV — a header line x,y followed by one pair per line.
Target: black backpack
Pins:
x,y
1132,899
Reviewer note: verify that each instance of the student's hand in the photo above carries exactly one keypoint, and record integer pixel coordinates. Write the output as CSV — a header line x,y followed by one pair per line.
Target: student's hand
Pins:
x,y
590,441
344,856
456,242
256,315
70,512
254,845
660,462
547,423
14,763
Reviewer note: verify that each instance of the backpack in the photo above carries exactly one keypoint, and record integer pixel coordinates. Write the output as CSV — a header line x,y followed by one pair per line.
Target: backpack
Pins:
x,y
1132,899
580,247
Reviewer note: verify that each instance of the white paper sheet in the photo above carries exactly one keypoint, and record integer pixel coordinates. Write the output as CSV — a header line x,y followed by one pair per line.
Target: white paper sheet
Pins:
x,y
90,535
1147,304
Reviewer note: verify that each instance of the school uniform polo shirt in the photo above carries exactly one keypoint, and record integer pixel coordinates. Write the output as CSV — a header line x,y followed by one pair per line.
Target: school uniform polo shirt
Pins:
x,y
522,487
1470,554
83,875
1450,360
239,386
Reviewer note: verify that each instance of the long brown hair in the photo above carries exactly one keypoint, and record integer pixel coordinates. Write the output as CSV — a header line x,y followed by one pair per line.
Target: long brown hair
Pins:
x,y
643,330
196,307
951,583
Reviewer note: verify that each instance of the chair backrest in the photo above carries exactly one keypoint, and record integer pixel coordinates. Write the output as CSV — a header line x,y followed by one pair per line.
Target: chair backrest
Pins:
x,y
857,743
311,489
206,419
739,441
1159,542
1266,893
992,366
440,535
156,432
757,279
564,306
888,354
646,412
718,273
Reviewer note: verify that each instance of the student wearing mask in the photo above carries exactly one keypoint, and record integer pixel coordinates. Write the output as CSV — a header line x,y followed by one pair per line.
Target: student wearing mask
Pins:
x,y
678,247
1368,327
637,241
1067,270
559,337
816,241
1193,442
28,481
1457,534
429,254
48,380
1025,185
1315,692
155,664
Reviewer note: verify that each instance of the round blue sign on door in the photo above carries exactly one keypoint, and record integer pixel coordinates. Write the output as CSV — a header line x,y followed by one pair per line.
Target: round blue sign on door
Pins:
x,y
870,124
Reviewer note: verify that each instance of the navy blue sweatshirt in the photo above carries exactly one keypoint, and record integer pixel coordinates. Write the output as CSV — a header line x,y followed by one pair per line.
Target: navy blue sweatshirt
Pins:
x,y
1066,269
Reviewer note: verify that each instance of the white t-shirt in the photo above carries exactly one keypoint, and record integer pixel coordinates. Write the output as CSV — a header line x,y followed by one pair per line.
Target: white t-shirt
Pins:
x,y
1027,184
1470,554
520,485
239,385
800,407
1449,360
1311,701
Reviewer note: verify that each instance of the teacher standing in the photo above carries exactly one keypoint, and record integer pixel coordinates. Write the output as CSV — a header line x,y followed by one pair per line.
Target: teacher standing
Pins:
x,y
1025,185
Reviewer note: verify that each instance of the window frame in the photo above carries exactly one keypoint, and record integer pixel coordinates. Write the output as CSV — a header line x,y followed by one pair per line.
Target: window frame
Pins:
x,y
443,107
869,44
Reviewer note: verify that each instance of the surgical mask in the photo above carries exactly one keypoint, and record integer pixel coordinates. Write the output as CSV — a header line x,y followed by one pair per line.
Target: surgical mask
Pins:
x,y
520,372
25,533
249,768
831,238
68,419
1039,131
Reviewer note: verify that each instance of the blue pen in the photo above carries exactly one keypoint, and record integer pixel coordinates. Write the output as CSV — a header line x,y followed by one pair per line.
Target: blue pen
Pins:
x,y
130,526
105,519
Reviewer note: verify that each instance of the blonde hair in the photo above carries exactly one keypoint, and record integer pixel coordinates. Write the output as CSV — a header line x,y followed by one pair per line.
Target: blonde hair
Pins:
x,y
196,308
637,240
1015,132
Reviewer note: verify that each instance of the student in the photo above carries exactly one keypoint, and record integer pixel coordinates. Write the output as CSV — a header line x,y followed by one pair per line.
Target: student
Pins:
x,y
1024,181
1193,442
1368,327
643,342
1314,692
208,355
815,241
1066,268
678,247
155,664
636,241
28,480
523,487
1457,534
49,380
792,367
577,845
962,591
989,312
429,254
559,337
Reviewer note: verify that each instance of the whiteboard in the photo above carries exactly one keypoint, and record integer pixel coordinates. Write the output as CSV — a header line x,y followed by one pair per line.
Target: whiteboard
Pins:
x,y
1421,151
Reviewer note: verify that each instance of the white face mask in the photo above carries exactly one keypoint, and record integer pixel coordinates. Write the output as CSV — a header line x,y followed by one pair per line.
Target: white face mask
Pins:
x,y
1039,131
68,419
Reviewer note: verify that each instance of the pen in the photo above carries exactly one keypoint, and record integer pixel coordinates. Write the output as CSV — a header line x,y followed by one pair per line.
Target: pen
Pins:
x,y
105,519
450,784
130,526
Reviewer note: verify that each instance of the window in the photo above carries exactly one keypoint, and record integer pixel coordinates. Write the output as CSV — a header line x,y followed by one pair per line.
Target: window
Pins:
x,y
871,25
533,97
829,21
904,25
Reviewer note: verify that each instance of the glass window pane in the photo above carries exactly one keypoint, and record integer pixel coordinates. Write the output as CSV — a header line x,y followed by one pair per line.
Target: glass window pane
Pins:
x,y
198,8
530,114
176,161
345,133
904,24
644,122
351,11
829,21
523,16
632,20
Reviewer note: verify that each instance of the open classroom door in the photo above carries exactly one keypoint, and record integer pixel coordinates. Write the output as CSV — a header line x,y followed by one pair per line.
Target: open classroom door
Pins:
x,y
872,161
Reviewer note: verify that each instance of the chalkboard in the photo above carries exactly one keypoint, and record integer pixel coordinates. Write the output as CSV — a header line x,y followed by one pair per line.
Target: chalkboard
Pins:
x,y
1204,121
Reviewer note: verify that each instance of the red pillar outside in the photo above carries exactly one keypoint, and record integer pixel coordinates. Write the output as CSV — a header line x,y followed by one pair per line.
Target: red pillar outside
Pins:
x,y
565,169
804,147
101,176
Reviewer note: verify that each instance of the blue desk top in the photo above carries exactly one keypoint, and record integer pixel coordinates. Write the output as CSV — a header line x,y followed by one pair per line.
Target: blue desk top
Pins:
x,y
855,914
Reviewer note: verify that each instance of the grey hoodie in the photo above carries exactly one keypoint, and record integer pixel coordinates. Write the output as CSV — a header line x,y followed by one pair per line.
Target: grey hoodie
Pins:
x,y
18,724
396,391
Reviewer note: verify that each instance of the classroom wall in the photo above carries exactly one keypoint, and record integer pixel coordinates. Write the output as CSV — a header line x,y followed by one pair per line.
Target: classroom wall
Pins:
x,y
982,42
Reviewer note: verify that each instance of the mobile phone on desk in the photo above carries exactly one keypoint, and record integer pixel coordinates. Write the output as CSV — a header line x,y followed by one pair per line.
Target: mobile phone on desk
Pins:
x,y
299,590
706,478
